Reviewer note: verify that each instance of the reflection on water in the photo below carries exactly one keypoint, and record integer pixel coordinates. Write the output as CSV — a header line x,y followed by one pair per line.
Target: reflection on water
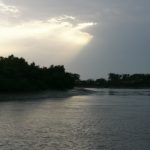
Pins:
x,y
87,119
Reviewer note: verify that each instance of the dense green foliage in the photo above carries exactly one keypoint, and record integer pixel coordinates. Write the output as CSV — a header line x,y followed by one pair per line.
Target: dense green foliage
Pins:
x,y
119,81
17,75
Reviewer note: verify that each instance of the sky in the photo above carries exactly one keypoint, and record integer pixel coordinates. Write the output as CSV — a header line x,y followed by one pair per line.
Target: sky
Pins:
x,y
89,37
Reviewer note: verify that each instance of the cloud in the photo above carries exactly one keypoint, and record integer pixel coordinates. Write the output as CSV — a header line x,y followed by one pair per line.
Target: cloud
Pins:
x,y
85,25
64,17
58,38
7,8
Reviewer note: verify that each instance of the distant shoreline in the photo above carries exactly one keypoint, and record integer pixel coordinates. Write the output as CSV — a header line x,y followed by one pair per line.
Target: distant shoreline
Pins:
x,y
68,91
97,87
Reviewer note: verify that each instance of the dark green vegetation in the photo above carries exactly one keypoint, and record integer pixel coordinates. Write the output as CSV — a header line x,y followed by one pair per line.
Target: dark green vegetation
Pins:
x,y
17,75
119,81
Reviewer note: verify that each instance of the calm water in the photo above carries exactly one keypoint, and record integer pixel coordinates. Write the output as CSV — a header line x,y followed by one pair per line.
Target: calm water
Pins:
x,y
105,119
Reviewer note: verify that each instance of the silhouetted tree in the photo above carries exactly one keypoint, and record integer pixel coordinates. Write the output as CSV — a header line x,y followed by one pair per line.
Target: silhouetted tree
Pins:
x,y
101,82
119,81
17,75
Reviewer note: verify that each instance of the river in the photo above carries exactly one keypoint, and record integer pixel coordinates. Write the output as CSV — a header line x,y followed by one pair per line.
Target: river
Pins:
x,y
79,119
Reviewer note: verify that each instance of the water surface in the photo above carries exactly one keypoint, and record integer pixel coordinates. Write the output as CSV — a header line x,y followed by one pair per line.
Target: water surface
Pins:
x,y
87,119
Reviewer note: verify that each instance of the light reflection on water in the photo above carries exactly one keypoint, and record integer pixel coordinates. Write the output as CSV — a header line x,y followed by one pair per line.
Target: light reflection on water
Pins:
x,y
79,120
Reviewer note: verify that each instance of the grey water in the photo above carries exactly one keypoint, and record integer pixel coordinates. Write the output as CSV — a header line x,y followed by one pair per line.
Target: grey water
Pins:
x,y
79,119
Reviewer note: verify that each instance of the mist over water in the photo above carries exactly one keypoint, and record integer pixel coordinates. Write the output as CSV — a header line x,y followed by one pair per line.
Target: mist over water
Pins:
x,y
79,119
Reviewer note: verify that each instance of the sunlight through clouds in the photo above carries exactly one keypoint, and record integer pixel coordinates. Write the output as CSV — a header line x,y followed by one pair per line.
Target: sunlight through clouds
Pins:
x,y
59,38
53,40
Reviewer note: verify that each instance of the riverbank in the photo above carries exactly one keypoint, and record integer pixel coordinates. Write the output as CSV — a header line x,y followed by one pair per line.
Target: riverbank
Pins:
x,y
55,94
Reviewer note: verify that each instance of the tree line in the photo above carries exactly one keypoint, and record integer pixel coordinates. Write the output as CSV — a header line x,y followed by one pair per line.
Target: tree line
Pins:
x,y
119,81
16,74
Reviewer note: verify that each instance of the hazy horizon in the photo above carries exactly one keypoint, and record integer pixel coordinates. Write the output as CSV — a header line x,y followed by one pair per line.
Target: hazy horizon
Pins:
x,y
91,38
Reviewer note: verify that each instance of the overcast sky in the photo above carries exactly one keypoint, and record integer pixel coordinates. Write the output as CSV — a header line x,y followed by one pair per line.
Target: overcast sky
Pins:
x,y
89,37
